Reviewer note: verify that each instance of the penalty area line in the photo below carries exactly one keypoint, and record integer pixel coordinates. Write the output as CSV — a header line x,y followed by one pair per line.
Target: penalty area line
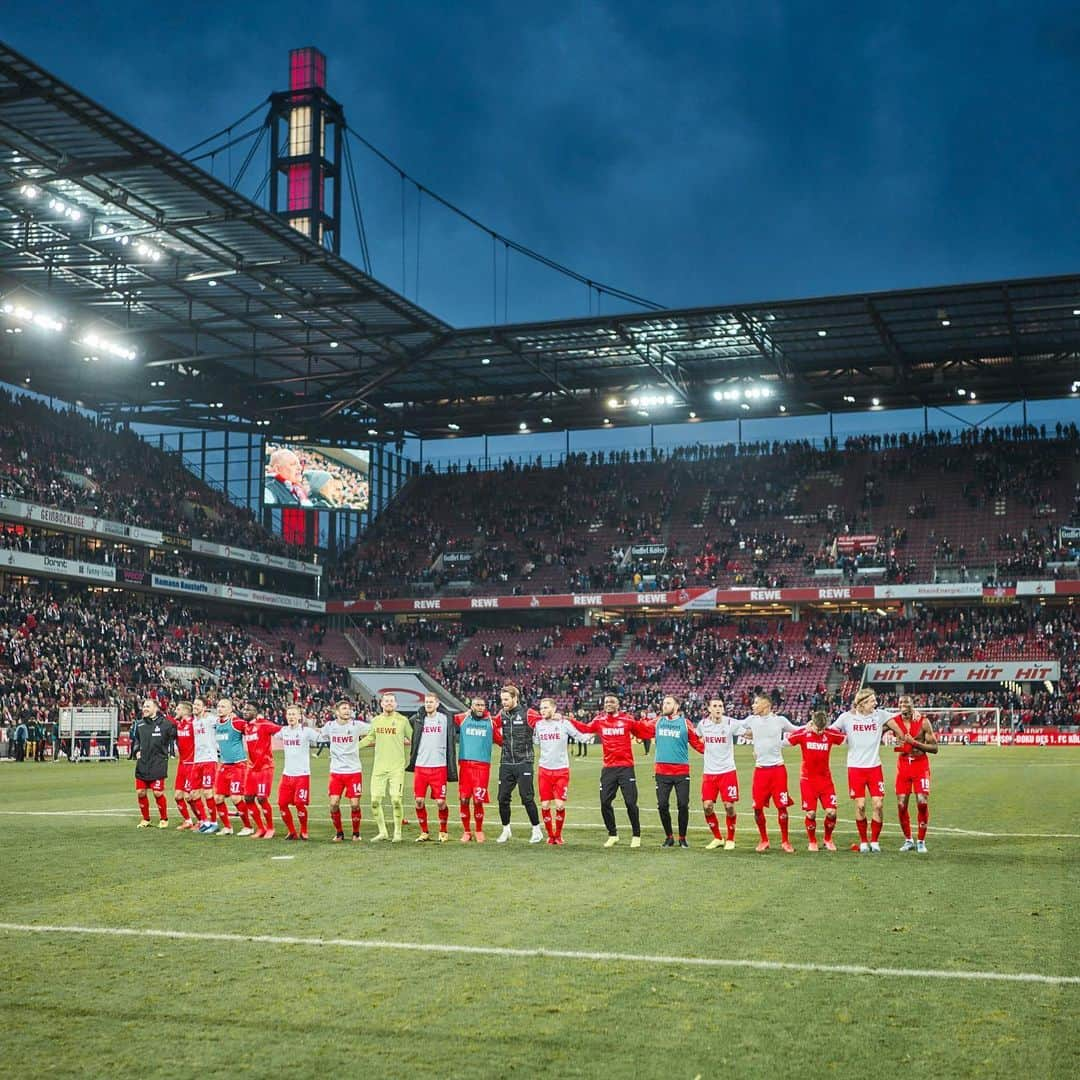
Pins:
x,y
858,970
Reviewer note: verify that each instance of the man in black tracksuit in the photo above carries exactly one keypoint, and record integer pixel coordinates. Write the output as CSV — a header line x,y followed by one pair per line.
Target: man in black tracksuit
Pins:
x,y
151,740
516,764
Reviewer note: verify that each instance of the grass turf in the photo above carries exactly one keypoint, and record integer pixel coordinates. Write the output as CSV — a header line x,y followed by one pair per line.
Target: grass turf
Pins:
x,y
980,900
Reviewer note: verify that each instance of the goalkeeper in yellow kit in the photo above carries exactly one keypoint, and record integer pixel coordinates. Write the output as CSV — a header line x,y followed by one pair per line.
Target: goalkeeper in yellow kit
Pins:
x,y
391,735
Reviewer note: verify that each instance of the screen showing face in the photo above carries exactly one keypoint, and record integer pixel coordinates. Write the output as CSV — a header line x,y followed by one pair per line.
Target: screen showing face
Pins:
x,y
316,477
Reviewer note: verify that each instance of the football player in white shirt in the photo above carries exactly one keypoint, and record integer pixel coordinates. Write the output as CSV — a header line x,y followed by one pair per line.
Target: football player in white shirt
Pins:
x,y
553,732
863,725
294,787
770,773
346,777
204,767
720,781
433,763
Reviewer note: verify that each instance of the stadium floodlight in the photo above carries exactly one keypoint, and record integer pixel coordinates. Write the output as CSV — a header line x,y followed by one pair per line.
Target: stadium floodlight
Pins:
x,y
21,313
1076,310
523,426
278,315
875,401
121,352
849,399
644,413
373,431
1075,386
946,322
613,403
29,191
454,427
744,405
607,419
486,361
783,408
693,416
961,392
545,419
823,333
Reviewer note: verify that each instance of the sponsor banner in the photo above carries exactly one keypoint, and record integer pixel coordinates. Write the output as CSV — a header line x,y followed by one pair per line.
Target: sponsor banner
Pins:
x,y
236,594
1069,534
927,591
71,521
852,545
648,550
255,558
1030,737
702,599
51,565
133,577
451,557
965,671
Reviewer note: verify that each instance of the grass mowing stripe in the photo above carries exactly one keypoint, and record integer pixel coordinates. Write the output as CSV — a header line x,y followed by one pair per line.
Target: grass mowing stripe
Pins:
x,y
552,954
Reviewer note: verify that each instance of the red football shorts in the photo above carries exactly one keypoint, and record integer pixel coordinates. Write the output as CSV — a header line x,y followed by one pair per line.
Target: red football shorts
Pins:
x,y
473,780
156,786
259,782
294,791
349,784
230,781
720,787
770,782
203,775
427,778
553,784
185,775
913,776
859,780
815,789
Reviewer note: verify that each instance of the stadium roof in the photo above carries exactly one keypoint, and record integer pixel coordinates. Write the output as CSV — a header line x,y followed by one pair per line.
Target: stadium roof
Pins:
x,y
116,245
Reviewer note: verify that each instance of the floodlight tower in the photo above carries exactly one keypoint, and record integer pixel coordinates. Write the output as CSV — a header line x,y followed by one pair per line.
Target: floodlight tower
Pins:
x,y
309,158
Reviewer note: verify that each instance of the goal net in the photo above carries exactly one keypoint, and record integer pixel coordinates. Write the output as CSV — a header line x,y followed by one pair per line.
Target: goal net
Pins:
x,y
972,726
89,733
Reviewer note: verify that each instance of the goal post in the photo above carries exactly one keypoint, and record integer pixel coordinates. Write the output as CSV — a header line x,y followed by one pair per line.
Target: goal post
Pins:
x,y
89,732
981,725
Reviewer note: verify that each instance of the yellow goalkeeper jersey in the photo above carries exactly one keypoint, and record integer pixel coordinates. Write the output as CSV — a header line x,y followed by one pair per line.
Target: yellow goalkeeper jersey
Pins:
x,y
391,733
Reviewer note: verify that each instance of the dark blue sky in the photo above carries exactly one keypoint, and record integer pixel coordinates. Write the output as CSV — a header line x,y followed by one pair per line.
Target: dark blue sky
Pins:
x,y
692,153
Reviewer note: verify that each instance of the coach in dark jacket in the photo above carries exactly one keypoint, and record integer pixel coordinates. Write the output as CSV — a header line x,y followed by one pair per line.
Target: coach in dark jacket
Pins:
x,y
516,762
151,740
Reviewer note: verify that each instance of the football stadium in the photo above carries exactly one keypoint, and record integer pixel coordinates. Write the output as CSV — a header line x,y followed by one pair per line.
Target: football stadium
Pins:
x,y
683,691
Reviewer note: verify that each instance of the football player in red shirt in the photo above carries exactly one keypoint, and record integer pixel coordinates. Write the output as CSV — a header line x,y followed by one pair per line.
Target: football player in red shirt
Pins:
x,y
815,779
185,776
259,779
913,772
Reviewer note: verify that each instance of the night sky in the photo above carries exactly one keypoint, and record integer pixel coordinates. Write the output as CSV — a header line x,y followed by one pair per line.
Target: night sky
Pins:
x,y
691,153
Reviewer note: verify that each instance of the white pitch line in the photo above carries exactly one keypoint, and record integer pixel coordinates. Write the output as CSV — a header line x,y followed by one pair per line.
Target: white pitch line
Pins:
x,y
552,954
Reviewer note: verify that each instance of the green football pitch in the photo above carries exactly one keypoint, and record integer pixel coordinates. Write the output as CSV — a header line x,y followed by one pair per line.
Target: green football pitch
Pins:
x,y
141,953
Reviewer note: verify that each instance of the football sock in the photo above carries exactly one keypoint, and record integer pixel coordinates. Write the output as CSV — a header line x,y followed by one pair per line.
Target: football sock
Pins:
x,y
211,809
923,813
731,826
335,817
198,808
478,814
267,813
811,828
223,815
782,819
759,818
444,817
714,824
421,817
875,830
905,822
162,807
301,813
357,816
244,810
463,809
830,824
144,807
560,820
860,824
182,806
286,816
546,814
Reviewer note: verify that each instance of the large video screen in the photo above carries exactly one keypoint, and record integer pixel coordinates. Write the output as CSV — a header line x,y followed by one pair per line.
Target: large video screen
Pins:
x,y
316,477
